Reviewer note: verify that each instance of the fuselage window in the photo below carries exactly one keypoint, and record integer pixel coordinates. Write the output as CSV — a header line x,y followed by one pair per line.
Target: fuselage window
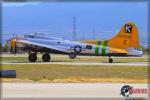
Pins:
x,y
88,47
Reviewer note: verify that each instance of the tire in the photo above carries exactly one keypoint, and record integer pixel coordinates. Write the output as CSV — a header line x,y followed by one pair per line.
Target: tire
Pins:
x,y
72,56
110,60
46,57
32,57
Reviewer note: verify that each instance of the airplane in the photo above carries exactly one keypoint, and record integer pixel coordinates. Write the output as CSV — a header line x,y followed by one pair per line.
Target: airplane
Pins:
x,y
34,43
126,38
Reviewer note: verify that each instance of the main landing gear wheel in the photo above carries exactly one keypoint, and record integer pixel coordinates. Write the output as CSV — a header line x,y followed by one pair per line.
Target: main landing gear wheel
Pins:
x,y
32,57
72,56
46,57
110,60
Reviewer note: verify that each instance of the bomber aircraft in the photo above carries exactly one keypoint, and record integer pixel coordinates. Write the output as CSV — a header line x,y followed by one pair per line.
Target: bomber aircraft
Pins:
x,y
34,43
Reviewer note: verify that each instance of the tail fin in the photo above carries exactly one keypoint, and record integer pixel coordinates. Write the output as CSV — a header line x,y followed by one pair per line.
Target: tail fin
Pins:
x,y
127,37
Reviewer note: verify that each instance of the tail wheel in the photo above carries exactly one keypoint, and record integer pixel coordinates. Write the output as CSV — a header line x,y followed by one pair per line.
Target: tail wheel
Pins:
x,y
46,57
72,56
32,57
110,60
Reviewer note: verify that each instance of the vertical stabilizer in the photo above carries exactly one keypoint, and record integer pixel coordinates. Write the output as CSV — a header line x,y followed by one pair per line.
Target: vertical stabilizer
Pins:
x,y
126,38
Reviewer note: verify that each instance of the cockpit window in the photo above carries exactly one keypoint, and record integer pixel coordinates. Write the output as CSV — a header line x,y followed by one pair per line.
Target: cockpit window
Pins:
x,y
28,36
31,36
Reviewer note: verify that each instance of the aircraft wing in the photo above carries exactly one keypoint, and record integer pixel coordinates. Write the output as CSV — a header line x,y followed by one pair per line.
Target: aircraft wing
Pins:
x,y
43,45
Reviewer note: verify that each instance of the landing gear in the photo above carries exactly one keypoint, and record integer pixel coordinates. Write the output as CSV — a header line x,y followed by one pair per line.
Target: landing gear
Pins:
x,y
46,57
72,56
110,60
32,57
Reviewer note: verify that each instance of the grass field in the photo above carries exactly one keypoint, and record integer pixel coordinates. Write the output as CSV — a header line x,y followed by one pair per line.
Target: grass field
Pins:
x,y
77,73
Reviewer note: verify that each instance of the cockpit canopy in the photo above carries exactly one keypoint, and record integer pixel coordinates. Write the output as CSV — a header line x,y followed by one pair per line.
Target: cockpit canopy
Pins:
x,y
29,36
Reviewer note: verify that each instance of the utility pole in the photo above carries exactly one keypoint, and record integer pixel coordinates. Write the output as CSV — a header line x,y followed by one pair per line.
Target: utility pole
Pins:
x,y
74,28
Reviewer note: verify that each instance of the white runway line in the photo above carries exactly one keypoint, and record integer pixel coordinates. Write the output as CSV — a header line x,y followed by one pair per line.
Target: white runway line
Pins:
x,y
35,90
83,63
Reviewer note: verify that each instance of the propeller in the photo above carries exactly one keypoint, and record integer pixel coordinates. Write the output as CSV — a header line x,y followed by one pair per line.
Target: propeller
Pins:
x,y
13,44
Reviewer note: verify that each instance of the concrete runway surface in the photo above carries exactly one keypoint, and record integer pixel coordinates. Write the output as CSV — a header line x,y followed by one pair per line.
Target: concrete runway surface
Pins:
x,y
83,63
67,90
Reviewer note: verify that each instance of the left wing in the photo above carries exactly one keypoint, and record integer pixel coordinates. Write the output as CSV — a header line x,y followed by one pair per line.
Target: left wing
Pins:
x,y
58,48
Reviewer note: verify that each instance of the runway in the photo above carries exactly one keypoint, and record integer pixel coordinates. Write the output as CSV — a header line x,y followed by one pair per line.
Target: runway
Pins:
x,y
84,63
67,90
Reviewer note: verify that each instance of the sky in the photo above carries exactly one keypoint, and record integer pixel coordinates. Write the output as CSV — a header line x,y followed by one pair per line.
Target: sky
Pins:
x,y
56,19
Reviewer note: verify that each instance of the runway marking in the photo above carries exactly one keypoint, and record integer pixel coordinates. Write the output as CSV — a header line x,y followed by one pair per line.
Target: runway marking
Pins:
x,y
78,90
83,63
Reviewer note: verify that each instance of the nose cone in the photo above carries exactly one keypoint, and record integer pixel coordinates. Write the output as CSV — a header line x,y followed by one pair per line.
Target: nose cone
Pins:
x,y
13,43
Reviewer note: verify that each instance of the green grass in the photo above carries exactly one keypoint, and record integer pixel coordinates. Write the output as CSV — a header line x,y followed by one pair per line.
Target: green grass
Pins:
x,y
79,59
55,71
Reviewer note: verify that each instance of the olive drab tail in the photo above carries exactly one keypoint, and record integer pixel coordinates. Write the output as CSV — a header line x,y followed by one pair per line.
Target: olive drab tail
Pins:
x,y
126,38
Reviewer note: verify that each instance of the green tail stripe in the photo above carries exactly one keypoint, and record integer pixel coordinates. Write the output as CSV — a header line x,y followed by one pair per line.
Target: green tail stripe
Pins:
x,y
105,43
104,50
97,50
99,43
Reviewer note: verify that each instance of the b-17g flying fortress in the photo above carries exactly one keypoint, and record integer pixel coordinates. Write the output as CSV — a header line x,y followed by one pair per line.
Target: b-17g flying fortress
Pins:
x,y
125,43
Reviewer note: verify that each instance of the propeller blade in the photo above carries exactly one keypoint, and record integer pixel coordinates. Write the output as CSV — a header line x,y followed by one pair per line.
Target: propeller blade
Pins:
x,y
15,50
13,46
11,49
